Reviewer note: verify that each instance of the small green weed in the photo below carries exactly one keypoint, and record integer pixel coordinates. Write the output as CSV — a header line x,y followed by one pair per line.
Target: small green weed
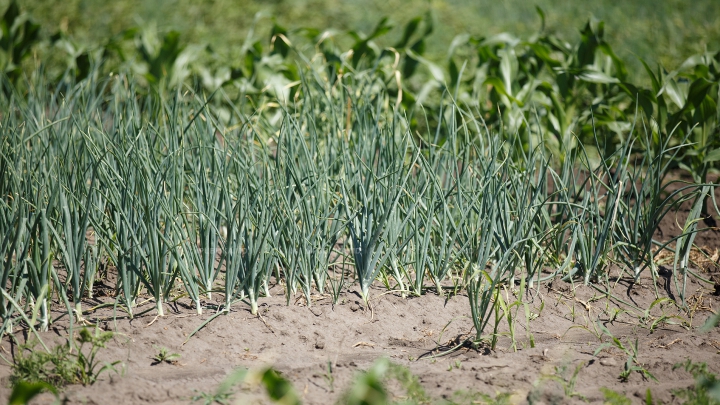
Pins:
x,y
631,350
278,388
211,398
369,387
616,398
164,356
329,377
707,385
56,367
502,398
63,365
567,382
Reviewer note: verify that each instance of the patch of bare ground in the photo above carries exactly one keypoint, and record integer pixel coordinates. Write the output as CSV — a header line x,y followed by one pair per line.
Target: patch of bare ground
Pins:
x,y
299,341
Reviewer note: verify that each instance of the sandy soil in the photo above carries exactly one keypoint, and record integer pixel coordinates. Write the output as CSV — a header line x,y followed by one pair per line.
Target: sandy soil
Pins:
x,y
299,341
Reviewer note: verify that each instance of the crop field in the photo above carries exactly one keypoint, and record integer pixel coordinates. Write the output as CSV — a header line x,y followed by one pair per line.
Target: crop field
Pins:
x,y
326,216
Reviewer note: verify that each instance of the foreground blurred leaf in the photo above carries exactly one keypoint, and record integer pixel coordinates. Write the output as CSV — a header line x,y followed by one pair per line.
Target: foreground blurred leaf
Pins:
x,y
23,391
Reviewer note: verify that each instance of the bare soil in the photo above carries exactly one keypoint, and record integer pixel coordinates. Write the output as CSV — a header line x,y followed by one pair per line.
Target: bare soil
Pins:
x,y
299,341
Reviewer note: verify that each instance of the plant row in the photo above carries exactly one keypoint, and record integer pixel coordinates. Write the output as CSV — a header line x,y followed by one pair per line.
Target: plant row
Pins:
x,y
164,198
543,89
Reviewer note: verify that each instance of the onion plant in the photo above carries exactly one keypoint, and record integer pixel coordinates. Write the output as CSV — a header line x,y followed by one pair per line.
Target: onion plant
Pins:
x,y
376,176
123,247
637,223
175,191
419,246
75,219
311,222
248,253
204,220
13,248
39,268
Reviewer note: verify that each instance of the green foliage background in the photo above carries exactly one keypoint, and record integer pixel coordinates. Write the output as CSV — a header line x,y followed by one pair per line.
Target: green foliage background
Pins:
x,y
666,31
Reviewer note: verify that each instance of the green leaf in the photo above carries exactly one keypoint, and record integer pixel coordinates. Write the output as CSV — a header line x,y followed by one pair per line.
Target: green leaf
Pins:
x,y
23,391
508,68
499,86
648,397
614,398
655,82
279,43
710,323
541,13
458,41
697,92
594,76
410,29
691,62
712,156
234,378
673,91
279,389
8,20
454,73
618,64
381,29
543,52
435,70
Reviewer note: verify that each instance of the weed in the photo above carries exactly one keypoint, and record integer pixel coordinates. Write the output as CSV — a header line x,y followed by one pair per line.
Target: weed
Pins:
x,y
164,356
707,385
614,314
632,363
277,388
712,322
614,397
652,323
55,367
567,382
212,398
329,377
458,398
64,365
88,364
369,387
595,331
456,365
